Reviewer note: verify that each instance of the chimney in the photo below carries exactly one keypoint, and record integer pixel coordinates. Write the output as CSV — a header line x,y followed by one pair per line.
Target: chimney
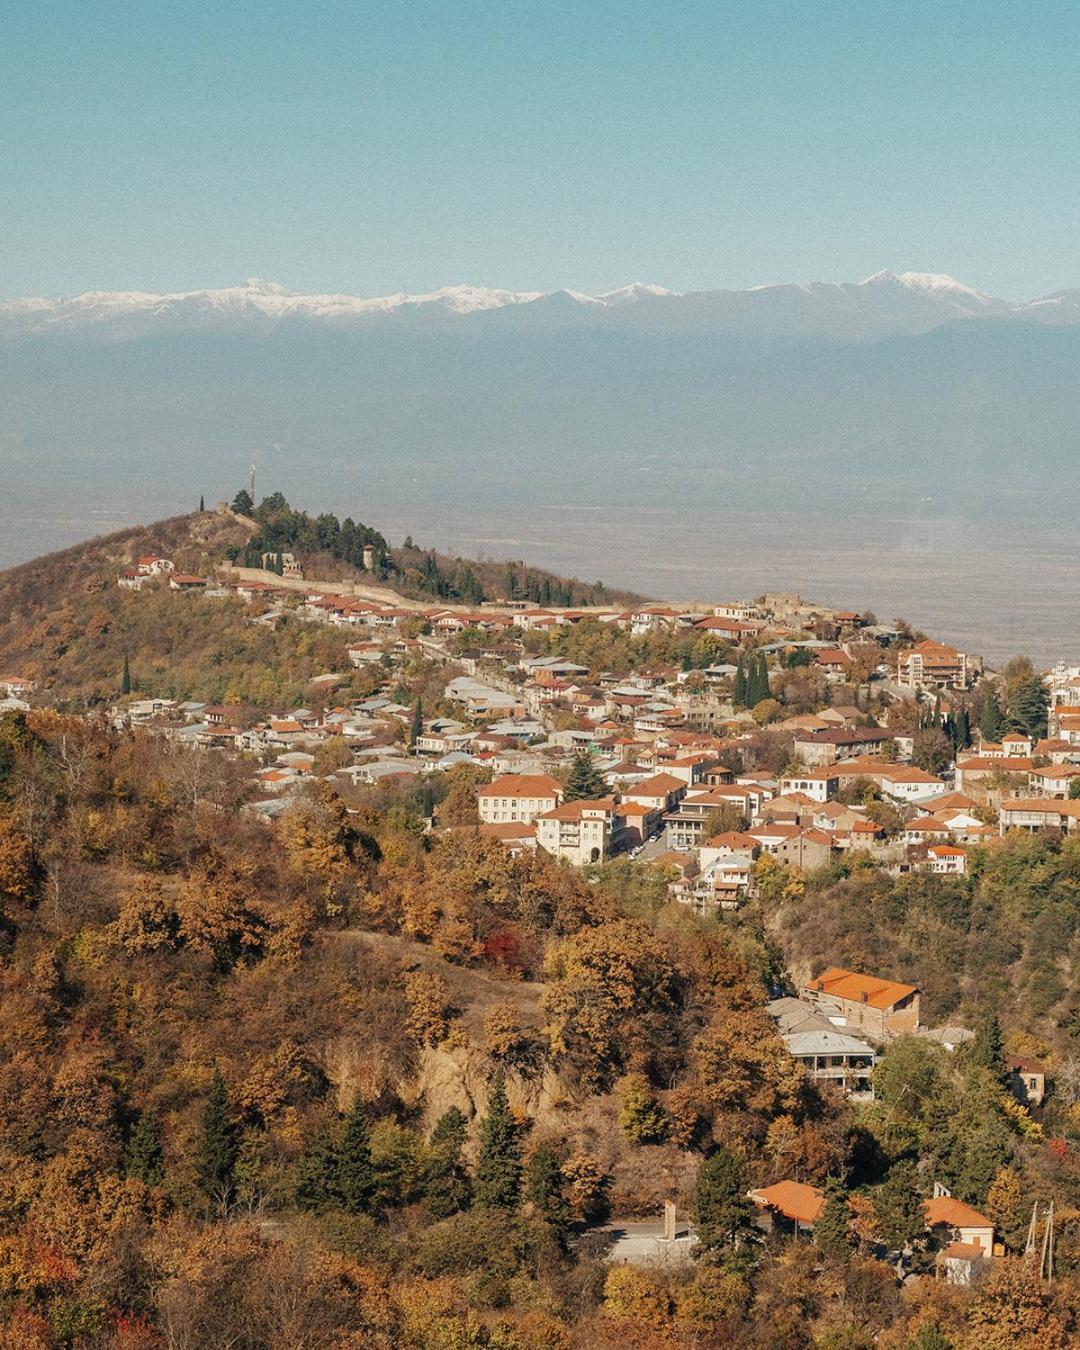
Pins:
x,y
864,997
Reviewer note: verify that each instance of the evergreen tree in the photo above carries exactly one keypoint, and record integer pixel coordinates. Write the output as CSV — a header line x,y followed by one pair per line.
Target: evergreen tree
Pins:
x,y
988,1049
498,1167
416,727
355,1180
898,1206
832,1228
1028,707
242,503
761,690
962,730
584,782
447,1188
217,1153
721,1209
125,678
317,1173
202,505
991,721
143,1157
739,694
544,1187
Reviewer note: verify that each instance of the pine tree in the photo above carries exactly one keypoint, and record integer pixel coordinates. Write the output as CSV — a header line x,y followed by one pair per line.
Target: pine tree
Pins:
x,y
125,678
143,1157
242,503
417,725
317,1173
216,1157
544,1187
447,1188
584,782
832,1230
988,1049
721,1210
355,1180
498,1168
1029,706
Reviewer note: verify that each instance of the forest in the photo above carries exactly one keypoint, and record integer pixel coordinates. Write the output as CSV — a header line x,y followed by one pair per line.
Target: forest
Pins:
x,y
338,1082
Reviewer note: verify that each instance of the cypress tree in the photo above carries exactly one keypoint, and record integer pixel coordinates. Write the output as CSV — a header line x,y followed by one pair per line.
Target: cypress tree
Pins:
x,y
721,1210
544,1187
355,1176
143,1157
739,696
498,1168
216,1159
832,1231
317,1174
584,781
988,1048
125,678
991,721
762,690
202,505
417,725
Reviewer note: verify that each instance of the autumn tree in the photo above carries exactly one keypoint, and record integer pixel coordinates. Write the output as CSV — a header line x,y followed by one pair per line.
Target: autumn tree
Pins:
x,y
641,1117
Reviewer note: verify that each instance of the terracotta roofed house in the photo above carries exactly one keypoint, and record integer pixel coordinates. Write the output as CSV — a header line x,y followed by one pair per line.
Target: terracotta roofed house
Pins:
x,y
881,1008
518,796
794,1201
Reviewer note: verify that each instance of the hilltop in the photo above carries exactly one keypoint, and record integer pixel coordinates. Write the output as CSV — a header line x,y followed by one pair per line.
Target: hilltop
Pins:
x,y
65,623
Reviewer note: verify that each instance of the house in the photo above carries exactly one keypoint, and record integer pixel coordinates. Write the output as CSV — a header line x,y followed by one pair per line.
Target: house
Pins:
x,y
639,822
827,1055
582,832
946,860
818,785
180,582
516,836
153,566
1038,813
881,1008
1027,1080
789,1206
933,665
662,791
818,748
518,797
953,1222
907,784
975,769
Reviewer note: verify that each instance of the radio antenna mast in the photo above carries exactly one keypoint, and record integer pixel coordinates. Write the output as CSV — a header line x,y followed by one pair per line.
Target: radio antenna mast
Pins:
x,y
251,490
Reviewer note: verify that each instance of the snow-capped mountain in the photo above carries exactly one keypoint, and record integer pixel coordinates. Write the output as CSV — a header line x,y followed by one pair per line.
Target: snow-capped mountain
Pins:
x,y
885,303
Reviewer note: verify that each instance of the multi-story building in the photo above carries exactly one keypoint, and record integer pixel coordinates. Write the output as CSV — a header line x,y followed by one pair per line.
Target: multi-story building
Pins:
x,y
880,1008
518,796
581,832
933,665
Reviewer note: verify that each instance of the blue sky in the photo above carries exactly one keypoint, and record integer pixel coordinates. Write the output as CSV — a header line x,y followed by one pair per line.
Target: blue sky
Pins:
x,y
410,144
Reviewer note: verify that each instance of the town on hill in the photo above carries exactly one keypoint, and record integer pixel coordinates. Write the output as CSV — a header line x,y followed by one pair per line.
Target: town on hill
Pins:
x,y
468,951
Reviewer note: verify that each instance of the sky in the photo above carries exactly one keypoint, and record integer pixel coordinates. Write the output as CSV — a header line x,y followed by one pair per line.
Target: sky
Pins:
x,y
404,145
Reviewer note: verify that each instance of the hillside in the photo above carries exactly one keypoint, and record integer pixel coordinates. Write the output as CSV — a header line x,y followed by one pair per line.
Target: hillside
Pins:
x,y
65,623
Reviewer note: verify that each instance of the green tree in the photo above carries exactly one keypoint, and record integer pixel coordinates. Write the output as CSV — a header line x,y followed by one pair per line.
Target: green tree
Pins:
x,y
584,782
317,1171
832,1227
991,721
447,1188
242,503
988,1049
416,727
125,678
1074,788
1029,704
202,504
898,1205
216,1158
544,1188
498,1167
143,1156
721,1210
355,1180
